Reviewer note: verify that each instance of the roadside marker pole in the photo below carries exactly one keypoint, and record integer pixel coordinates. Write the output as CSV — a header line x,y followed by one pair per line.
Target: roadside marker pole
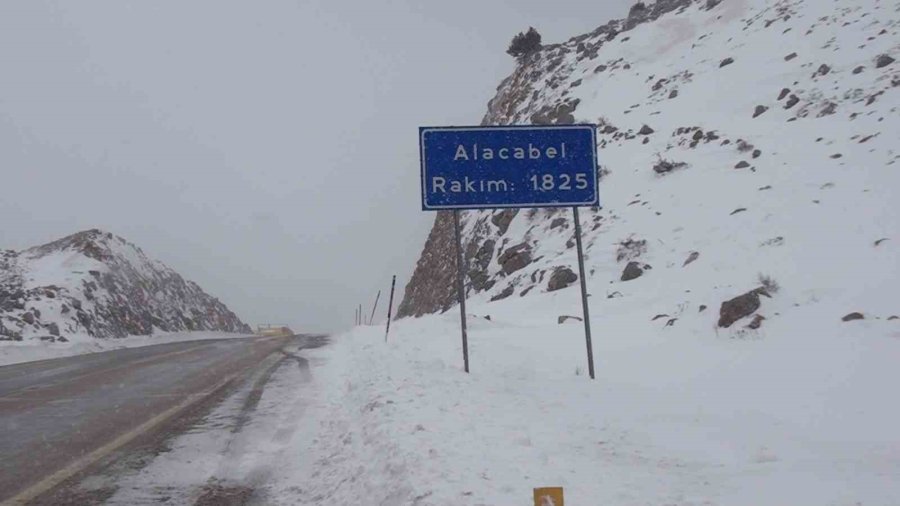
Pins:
x,y
372,316
584,297
460,289
362,320
390,305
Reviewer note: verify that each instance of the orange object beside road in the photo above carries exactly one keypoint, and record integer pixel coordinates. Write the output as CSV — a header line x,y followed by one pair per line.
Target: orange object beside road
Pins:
x,y
548,496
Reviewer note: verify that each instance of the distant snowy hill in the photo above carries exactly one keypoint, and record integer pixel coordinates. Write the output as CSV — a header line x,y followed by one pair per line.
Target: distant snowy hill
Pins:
x,y
743,144
96,284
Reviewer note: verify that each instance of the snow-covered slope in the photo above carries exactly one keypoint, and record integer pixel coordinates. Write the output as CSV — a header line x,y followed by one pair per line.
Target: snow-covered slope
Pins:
x,y
96,284
778,120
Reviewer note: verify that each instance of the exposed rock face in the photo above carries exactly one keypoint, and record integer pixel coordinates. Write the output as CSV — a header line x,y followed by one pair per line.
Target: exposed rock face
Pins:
x,y
432,286
114,289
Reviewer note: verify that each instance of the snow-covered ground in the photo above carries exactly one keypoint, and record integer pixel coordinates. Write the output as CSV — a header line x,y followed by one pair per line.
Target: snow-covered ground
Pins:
x,y
12,352
804,416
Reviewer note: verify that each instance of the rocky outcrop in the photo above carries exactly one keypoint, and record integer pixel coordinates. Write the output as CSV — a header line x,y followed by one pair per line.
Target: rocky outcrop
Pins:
x,y
98,284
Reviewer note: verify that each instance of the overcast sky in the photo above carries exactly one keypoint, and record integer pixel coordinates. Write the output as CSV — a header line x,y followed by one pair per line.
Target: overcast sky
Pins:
x,y
266,150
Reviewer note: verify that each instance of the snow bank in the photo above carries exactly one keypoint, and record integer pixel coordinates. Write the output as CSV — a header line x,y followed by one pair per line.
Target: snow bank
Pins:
x,y
801,416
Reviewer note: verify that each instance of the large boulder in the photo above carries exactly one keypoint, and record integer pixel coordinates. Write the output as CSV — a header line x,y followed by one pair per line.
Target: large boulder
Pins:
x,y
740,307
562,277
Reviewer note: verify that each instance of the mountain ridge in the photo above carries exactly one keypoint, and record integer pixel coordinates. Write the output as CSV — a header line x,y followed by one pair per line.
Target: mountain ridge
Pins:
x,y
94,284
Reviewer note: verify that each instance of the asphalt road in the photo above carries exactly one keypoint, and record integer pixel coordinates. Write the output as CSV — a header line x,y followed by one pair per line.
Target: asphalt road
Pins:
x,y
57,416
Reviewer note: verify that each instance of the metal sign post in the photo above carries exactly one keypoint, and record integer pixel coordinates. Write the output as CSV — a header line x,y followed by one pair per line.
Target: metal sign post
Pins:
x,y
390,305
584,297
509,167
461,289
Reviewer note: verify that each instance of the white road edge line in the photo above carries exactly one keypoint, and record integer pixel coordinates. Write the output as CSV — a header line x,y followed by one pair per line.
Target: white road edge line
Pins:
x,y
82,463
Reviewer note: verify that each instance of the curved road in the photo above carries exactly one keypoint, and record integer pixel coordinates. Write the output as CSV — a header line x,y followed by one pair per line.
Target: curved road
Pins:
x,y
58,416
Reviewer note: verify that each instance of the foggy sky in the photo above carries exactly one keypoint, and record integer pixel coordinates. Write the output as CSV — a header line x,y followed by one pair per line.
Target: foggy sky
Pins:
x,y
266,150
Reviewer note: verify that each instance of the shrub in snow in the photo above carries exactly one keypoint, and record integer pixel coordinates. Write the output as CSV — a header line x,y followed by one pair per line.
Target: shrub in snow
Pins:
x,y
771,286
524,43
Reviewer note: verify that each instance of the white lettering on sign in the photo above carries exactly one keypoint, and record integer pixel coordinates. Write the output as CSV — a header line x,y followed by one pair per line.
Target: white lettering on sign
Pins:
x,y
465,185
505,153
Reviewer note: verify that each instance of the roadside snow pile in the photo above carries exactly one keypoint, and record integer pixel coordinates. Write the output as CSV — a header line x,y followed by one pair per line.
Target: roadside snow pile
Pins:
x,y
13,352
673,417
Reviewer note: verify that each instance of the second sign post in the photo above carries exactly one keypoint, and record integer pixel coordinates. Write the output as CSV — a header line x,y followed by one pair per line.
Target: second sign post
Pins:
x,y
510,167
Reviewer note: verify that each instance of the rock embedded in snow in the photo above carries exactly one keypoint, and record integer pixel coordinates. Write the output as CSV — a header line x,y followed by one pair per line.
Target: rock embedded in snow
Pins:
x,y
562,277
503,218
823,70
853,316
743,164
756,323
515,258
740,307
790,57
506,292
691,258
645,130
564,318
858,70
632,271
883,61
760,109
784,93
726,62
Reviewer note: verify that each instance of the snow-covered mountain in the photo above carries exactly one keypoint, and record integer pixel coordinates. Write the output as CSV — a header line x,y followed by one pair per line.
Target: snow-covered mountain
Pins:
x,y
745,146
96,284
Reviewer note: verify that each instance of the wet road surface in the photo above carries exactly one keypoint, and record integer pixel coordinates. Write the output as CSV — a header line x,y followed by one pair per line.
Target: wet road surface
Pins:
x,y
57,415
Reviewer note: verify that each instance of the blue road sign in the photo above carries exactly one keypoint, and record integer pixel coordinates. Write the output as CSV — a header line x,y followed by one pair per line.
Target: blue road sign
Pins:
x,y
508,166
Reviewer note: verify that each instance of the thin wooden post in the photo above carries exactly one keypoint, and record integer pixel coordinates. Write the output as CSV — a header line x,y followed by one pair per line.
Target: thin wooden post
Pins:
x,y
372,316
